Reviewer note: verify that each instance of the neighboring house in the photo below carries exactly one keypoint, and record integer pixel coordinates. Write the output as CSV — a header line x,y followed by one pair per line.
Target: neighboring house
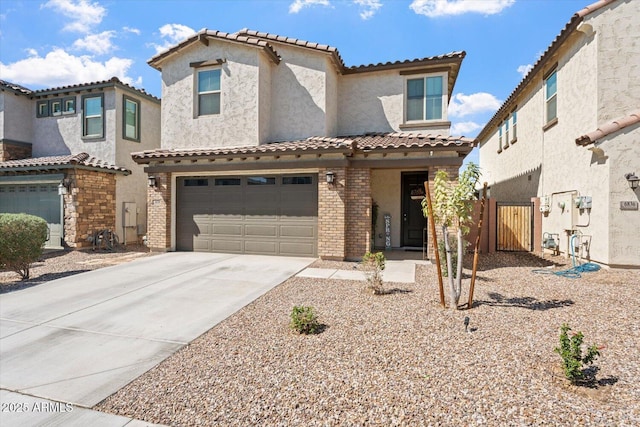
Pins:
x,y
271,145
65,155
569,137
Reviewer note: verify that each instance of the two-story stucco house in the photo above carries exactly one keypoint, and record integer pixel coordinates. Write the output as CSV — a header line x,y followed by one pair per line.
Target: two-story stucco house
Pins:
x,y
65,155
569,137
271,145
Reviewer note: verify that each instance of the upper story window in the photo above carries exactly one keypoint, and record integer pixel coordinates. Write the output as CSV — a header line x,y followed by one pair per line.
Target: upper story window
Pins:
x,y
514,127
208,92
69,105
424,98
92,116
42,109
551,97
56,107
500,138
131,118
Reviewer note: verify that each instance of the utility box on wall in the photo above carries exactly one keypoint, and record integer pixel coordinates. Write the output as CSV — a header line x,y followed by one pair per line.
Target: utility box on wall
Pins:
x,y
129,214
567,210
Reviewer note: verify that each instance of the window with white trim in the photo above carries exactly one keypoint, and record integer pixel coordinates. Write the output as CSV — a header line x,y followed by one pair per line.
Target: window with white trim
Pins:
x,y
56,107
551,97
514,127
42,109
500,138
131,118
208,91
69,105
92,116
425,98
506,133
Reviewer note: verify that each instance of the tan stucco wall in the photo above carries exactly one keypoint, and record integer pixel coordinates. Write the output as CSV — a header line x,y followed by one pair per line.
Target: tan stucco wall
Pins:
x,y
61,135
300,94
237,123
16,117
386,185
133,188
264,99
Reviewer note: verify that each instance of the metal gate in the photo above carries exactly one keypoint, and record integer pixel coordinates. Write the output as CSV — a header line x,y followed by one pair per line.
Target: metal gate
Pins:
x,y
514,227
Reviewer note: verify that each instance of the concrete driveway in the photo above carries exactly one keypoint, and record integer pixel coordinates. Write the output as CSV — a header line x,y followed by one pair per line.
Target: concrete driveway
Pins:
x,y
81,338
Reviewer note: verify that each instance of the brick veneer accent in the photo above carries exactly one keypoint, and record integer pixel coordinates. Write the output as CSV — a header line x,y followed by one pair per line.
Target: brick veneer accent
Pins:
x,y
159,213
358,213
14,150
332,215
89,206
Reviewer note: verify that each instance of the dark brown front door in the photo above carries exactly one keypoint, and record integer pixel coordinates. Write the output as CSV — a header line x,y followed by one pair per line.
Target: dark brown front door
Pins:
x,y
413,221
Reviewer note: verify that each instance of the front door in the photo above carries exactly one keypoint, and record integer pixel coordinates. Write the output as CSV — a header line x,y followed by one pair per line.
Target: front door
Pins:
x,y
414,223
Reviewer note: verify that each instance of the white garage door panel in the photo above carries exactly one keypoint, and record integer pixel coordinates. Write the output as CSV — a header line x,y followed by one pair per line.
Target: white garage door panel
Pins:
x,y
271,215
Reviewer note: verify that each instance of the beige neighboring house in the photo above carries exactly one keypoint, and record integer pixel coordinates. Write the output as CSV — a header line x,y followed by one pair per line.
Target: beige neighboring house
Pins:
x,y
65,155
568,137
272,145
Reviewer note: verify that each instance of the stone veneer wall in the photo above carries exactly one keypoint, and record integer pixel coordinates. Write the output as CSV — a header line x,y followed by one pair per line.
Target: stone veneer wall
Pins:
x,y
332,215
358,213
159,213
14,151
89,206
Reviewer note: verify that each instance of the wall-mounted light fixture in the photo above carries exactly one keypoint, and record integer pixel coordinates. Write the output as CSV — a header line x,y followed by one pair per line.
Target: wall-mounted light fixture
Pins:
x,y
64,187
151,181
633,180
331,177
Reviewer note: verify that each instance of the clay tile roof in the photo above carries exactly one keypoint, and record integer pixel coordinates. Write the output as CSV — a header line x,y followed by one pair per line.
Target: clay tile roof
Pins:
x,y
220,35
15,87
457,55
113,81
609,128
81,160
538,67
317,144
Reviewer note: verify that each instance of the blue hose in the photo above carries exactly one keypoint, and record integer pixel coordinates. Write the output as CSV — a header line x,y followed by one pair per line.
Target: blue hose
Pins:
x,y
576,270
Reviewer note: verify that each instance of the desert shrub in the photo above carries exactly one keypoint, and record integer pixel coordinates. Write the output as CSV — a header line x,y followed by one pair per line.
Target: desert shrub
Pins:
x,y
570,350
304,320
22,240
373,264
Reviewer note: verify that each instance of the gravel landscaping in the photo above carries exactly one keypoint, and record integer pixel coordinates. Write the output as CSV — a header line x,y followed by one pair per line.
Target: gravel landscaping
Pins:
x,y
400,359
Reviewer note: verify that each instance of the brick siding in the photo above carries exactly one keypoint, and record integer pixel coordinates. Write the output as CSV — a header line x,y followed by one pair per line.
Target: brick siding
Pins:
x,y
332,215
14,151
90,206
358,213
159,213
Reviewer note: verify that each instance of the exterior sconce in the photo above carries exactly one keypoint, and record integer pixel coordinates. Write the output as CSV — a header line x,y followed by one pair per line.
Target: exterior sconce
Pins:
x,y
64,187
151,181
633,180
331,178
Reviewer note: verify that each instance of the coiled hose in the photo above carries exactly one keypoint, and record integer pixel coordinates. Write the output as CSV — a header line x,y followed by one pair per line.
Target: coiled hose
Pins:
x,y
575,271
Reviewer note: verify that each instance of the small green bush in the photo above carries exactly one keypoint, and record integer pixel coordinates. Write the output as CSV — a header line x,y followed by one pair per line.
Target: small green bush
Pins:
x,y
304,320
373,264
570,350
22,240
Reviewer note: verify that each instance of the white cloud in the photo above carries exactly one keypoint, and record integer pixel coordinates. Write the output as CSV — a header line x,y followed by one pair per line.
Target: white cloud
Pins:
x,y
370,7
59,68
435,8
96,43
131,30
83,14
298,5
172,35
465,128
524,69
463,105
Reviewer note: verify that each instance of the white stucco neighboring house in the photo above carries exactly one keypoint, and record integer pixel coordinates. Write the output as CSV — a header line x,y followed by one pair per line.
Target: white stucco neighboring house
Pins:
x,y
272,145
81,136
568,136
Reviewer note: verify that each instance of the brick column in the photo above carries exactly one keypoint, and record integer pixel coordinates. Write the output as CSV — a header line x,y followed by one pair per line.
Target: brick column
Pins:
x,y
332,215
159,213
358,213
90,206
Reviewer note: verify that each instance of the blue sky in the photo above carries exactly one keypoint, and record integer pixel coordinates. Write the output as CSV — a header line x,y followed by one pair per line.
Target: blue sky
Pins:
x,y
49,43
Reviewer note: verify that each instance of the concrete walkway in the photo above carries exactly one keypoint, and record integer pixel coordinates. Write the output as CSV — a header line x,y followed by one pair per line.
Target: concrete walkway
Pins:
x,y
395,271
79,339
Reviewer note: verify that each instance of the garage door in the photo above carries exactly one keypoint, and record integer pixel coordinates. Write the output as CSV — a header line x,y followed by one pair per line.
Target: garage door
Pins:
x,y
40,199
270,214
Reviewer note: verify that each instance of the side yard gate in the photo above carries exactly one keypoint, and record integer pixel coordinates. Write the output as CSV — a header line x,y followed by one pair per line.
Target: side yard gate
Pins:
x,y
514,227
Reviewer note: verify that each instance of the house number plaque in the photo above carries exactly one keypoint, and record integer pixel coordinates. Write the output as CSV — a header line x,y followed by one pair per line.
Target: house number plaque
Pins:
x,y
629,205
